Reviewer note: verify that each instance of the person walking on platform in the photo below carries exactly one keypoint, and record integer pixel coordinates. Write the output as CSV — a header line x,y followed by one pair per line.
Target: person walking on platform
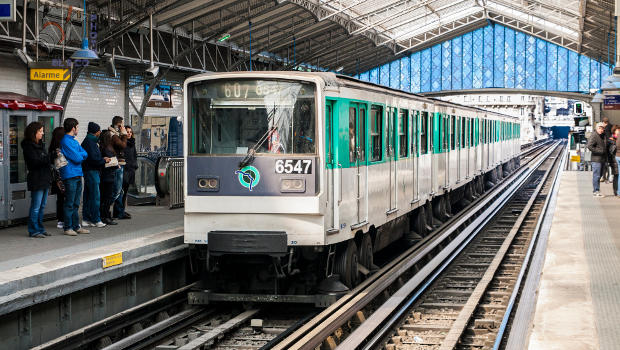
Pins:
x,y
118,142
39,177
611,159
71,175
617,156
597,145
108,174
92,166
58,187
129,175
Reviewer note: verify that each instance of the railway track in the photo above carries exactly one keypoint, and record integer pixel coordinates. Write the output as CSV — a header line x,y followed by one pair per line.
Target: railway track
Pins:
x,y
386,296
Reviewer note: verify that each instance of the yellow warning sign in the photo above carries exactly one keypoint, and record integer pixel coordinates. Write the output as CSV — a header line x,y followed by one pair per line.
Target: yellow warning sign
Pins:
x,y
111,260
575,158
50,74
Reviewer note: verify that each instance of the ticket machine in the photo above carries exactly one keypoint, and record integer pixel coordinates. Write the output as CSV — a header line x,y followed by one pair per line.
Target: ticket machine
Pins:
x,y
16,112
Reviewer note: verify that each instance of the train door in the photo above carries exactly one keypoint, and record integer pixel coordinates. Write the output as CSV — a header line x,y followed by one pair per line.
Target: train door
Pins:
x,y
415,155
332,161
391,154
357,157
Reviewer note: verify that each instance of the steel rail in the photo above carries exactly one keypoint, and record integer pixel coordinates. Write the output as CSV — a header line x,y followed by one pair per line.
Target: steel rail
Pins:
x,y
402,300
324,324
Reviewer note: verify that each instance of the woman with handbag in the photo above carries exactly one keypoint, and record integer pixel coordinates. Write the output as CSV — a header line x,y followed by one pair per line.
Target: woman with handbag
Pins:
x,y
58,187
39,177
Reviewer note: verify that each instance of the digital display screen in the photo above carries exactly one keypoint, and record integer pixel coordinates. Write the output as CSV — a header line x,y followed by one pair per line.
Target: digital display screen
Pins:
x,y
255,89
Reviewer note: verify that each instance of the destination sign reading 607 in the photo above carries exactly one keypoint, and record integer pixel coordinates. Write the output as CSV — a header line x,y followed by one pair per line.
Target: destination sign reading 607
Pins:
x,y
250,89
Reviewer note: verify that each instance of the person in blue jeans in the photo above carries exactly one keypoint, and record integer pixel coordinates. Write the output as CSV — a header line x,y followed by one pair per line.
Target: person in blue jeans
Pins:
x,y
39,177
119,143
92,166
71,175
598,146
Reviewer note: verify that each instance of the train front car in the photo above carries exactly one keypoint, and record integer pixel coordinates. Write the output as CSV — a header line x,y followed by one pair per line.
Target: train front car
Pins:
x,y
252,211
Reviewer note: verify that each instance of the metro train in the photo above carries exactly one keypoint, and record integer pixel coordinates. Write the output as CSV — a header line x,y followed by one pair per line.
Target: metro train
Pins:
x,y
294,180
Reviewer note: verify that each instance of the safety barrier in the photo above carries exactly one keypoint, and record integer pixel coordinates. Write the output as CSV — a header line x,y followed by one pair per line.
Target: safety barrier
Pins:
x,y
169,182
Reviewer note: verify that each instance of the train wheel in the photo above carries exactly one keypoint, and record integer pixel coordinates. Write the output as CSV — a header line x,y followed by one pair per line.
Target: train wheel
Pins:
x,y
346,264
439,209
366,253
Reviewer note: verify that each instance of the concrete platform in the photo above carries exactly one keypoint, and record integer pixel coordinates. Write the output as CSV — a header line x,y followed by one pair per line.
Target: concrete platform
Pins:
x,y
578,305
37,270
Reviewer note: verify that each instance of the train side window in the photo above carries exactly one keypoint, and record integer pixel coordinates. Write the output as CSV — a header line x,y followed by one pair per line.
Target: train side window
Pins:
x,y
452,132
445,123
328,133
424,133
463,141
352,130
362,134
376,132
471,132
403,125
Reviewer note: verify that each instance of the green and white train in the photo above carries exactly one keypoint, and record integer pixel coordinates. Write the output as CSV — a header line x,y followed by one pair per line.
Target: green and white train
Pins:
x,y
295,178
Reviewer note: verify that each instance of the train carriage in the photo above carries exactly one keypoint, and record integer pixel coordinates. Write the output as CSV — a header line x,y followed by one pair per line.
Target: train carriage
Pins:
x,y
297,177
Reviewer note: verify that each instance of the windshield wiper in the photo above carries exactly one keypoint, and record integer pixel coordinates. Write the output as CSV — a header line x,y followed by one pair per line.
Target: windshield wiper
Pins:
x,y
251,155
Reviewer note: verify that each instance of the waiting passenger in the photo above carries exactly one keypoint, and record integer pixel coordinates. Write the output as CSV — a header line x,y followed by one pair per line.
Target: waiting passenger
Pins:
x,y
611,159
58,187
118,142
71,175
108,174
39,177
608,134
92,166
617,155
129,175
596,145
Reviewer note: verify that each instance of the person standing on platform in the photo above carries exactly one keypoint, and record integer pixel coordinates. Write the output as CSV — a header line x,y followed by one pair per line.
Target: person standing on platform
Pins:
x,y
597,145
608,134
611,159
118,142
617,155
92,166
129,175
58,187
108,174
71,175
39,177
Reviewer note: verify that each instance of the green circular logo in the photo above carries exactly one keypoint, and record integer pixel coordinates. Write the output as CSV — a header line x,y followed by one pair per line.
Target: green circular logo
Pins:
x,y
248,177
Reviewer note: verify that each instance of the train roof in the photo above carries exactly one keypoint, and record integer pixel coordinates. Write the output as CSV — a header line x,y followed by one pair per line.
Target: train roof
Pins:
x,y
338,80
13,101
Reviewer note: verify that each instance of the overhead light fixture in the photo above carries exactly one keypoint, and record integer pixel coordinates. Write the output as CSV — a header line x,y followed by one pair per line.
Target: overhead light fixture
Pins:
x,y
153,70
224,37
21,53
85,53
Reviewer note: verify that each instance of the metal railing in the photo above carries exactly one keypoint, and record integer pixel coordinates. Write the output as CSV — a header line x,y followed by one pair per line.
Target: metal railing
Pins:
x,y
174,175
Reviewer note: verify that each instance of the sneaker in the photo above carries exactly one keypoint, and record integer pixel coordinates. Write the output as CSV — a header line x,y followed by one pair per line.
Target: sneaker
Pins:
x,y
99,224
38,235
598,194
87,224
82,230
45,233
60,225
70,232
109,221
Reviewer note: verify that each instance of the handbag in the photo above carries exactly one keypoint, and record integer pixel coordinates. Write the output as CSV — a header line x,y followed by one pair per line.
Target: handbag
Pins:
x,y
60,160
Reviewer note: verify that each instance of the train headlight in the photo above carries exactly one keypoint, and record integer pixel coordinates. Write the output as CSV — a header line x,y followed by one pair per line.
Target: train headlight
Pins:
x,y
208,183
293,185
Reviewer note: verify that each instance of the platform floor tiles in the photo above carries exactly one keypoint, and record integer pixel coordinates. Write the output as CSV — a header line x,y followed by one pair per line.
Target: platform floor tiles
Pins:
x,y
578,304
17,249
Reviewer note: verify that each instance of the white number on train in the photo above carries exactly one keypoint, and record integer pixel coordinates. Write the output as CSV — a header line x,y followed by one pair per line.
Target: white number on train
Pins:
x,y
293,166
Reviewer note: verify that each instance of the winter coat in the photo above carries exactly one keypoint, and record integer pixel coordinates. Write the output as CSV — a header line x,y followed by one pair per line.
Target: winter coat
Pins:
x,y
597,145
75,155
108,173
119,142
611,155
94,161
131,162
38,164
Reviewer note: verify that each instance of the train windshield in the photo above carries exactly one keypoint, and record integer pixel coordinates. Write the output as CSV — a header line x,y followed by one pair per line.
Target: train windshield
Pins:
x,y
237,116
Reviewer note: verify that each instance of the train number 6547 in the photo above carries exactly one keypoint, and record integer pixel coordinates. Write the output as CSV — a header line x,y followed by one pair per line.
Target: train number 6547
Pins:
x,y
294,166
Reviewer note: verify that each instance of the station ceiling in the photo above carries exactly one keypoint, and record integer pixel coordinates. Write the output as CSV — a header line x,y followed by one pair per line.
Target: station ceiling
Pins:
x,y
354,35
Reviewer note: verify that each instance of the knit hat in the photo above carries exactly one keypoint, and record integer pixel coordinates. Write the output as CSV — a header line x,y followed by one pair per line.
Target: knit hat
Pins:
x,y
600,125
93,127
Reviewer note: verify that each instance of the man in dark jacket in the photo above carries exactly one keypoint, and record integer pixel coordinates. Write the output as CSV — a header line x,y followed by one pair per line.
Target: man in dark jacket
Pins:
x,y
597,144
129,175
119,142
92,166
608,134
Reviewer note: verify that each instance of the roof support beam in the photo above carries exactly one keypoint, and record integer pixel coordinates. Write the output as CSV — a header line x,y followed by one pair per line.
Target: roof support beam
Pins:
x,y
582,15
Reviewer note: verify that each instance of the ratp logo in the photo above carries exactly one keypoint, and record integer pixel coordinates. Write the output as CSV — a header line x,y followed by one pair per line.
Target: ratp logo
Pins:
x,y
248,176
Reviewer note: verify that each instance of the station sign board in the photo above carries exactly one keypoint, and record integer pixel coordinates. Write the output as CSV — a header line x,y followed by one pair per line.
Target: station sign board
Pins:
x,y
7,10
50,74
611,102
